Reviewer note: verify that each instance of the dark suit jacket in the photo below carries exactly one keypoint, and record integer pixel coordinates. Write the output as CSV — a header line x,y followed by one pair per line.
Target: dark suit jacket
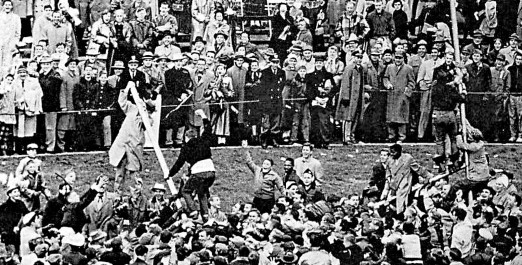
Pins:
x,y
141,83
378,178
271,90
177,82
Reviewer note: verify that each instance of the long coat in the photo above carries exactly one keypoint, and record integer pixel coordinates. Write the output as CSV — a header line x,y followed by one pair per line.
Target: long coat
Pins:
x,y
10,214
66,121
199,99
399,178
398,102
29,100
252,92
131,138
7,103
351,90
99,217
238,76
50,84
478,80
10,32
200,9
271,86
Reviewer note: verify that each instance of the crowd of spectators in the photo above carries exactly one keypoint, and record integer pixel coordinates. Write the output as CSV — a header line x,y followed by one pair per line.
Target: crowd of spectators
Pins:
x,y
345,71
404,215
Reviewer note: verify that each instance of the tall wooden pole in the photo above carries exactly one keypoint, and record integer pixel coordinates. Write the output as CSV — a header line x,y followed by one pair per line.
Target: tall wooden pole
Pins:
x,y
455,35
149,132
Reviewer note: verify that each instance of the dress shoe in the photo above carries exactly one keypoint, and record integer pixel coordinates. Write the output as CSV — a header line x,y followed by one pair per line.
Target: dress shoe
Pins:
x,y
512,139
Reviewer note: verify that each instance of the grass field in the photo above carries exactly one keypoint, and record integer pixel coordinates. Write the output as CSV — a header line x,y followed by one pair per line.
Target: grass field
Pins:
x,y
347,169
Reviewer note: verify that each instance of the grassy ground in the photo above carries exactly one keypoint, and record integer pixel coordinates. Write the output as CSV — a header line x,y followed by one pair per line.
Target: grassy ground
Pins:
x,y
347,169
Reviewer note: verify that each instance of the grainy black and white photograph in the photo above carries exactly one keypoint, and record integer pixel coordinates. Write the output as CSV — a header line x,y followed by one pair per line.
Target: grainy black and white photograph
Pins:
x,y
260,132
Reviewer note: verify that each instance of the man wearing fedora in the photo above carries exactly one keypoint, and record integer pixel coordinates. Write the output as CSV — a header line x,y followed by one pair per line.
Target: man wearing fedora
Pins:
x,y
158,200
398,78
92,61
477,77
66,122
220,46
166,48
477,43
199,45
11,211
238,75
178,86
50,81
500,83
147,66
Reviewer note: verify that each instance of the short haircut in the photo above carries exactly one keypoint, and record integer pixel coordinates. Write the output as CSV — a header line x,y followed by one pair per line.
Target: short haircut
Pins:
x,y
141,250
309,145
289,159
460,213
396,147
244,251
270,160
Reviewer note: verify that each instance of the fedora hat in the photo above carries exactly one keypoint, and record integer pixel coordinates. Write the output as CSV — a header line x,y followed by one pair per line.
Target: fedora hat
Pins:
x,y
222,34
147,55
477,33
72,60
199,39
514,36
177,57
46,59
269,52
92,52
118,65
159,186
11,187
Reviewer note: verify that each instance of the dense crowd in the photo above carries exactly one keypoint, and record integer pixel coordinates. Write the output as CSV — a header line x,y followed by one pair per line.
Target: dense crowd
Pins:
x,y
404,215
334,71
370,80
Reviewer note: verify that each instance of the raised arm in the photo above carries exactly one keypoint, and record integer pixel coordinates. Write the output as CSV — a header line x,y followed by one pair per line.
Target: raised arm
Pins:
x,y
250,163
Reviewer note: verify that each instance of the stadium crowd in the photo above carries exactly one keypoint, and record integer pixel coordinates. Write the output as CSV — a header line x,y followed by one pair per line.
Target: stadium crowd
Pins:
x,y
405,215
365,82
334,71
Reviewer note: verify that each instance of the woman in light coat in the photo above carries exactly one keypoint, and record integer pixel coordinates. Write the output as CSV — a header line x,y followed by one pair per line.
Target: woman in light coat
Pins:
x,y
28,99
7,115
220,91
10,32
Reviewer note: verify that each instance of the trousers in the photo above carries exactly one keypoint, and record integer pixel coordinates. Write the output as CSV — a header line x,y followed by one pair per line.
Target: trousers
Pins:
x,y
515,116
200,183
52,137
445,125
